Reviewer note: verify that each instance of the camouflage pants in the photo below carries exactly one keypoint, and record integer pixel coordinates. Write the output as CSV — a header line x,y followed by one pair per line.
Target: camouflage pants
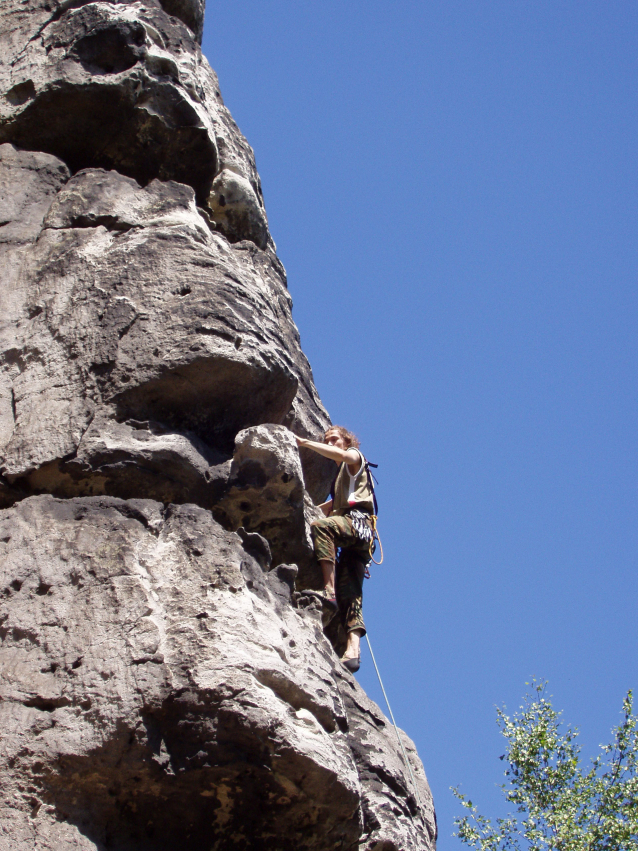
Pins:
x,y
328,535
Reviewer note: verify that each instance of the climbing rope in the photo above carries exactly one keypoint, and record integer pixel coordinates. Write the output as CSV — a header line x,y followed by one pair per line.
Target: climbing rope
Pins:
x,y
396,730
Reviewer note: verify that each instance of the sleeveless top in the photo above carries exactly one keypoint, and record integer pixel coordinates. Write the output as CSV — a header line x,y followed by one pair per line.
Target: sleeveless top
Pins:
x,y
352,491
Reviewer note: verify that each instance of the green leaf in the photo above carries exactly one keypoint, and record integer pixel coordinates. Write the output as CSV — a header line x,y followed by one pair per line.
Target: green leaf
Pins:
x,y
559,806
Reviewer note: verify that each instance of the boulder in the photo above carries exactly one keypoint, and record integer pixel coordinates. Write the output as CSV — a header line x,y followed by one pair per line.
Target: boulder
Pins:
x,y
265,493
236,210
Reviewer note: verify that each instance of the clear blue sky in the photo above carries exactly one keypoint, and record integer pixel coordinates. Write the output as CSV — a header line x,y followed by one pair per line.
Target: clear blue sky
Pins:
x,y
452,189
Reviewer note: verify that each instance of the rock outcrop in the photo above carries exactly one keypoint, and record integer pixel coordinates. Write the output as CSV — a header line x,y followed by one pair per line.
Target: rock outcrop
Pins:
x,y
164,683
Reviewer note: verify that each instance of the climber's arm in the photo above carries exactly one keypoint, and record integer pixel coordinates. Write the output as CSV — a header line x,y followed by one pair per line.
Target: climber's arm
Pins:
x,y
350,456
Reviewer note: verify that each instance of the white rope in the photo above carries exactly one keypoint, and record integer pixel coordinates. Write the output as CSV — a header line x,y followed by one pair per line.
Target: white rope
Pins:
x,y
396,729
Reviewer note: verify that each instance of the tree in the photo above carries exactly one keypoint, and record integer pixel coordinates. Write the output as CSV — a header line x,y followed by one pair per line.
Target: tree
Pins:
x,y
559,805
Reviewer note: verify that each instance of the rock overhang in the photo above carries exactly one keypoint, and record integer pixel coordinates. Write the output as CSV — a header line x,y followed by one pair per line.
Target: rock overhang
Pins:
x,y
103,71
135,304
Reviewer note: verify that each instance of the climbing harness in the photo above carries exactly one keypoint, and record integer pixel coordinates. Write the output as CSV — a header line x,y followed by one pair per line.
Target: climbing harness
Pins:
x,y
365,525
396,730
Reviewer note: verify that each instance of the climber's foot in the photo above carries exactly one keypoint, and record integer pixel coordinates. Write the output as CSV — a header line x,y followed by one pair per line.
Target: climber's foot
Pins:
x,y
352,664
328,600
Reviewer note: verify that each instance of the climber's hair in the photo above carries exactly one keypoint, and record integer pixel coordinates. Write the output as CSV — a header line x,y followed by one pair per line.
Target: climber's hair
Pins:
x,y
351,439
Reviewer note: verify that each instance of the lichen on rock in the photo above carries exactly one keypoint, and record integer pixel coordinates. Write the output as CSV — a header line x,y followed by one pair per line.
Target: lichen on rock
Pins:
x,y
163,683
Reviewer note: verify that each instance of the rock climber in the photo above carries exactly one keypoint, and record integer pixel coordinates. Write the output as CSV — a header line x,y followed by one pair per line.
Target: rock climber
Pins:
x,y
347,526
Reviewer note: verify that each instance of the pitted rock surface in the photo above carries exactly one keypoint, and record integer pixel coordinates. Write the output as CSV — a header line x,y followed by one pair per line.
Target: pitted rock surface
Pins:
x,y
116,85
236,210
265,493
159,686
163,683
127,299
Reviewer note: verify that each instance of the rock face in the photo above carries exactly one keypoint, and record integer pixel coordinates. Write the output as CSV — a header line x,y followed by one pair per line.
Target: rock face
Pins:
x,y
127,307
163,682
161,687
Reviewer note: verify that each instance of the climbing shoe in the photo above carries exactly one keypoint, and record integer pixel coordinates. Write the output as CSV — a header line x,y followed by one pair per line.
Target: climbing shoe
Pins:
x,y
352,665
328,602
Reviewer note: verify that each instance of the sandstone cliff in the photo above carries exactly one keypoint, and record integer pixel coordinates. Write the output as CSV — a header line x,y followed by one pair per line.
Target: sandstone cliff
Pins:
x,y
164,684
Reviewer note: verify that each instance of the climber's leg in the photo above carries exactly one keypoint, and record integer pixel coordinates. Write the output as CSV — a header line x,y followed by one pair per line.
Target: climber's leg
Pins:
x,y
350,574
328,534
328,571
353,647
